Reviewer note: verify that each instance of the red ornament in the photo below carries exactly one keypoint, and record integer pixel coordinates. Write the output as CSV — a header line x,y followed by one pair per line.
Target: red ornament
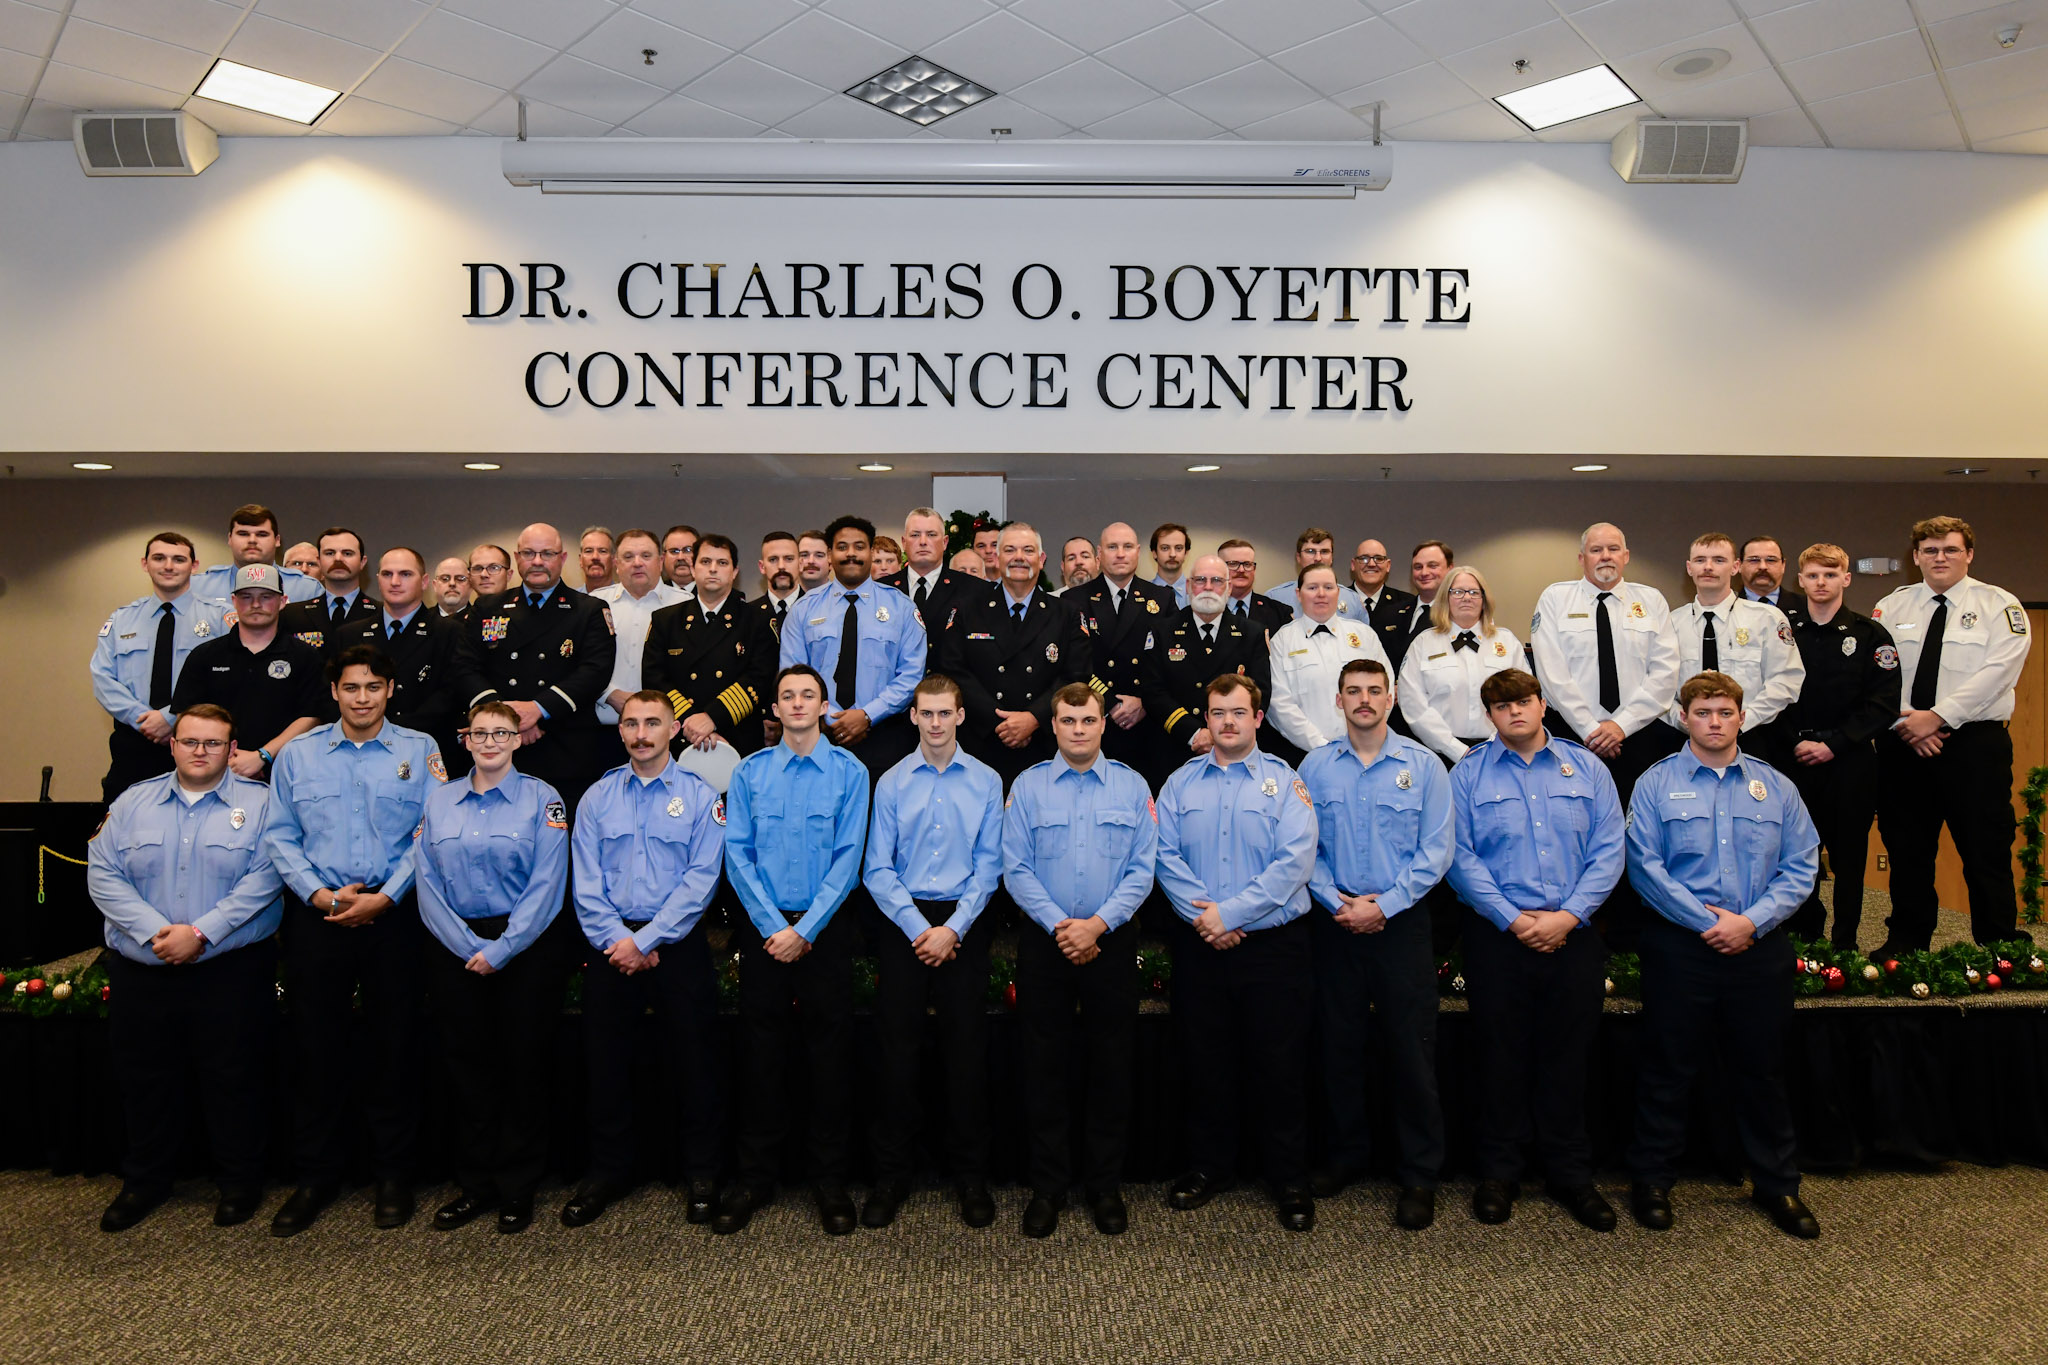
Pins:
x,y
1158,985
1010,995
105,991
35,985
1891,964
2005,965
1831,979
1992,982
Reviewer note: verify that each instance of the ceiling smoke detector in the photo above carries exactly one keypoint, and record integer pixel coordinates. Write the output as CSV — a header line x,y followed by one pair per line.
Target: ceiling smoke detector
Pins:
x,y
1693,65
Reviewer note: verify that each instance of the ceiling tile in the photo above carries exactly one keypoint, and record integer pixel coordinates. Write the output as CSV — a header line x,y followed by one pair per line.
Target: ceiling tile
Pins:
x,y
202,25
2022,114
18,71
620,42
1246,95
1786,128
2010,74
585,88
288,50
1092,25
681,116
1159,119
1000,112
912,25
230,121
28,28
1003,52
1351,57
1177,53
823,50
1756,9
358,117
1640,70
2035,144
426,90
844,116
557,23
1974,38
1858,120
1318,122
1418,93
1551,49
475,50
1084,93
79,89
1267,28
49,120
11,107
542,120
1453,25
1619,28
373,23
1821,25
144,60
754,92
728,25
1934,12
1882,61
1482,122
1759,92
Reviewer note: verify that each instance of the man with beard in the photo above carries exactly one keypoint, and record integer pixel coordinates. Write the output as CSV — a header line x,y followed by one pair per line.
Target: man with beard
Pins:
x,y
678,557
1078,562
1199,644
319,621
1763,577
451,585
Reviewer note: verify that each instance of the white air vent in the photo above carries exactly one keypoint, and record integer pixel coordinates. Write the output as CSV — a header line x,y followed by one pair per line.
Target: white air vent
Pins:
x,y
147,142
1670,151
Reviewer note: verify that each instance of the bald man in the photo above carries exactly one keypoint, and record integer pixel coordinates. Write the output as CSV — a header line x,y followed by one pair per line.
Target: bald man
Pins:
x,y
1122,613
547,651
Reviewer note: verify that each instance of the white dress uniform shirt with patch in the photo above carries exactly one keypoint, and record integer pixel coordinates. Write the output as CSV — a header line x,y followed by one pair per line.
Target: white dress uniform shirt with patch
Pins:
x,y
1754,643
1984,646
1440,685
631,617
1307,657
1564,636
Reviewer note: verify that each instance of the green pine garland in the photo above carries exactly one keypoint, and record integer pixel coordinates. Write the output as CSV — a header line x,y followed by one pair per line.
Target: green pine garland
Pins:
x,y
2035,794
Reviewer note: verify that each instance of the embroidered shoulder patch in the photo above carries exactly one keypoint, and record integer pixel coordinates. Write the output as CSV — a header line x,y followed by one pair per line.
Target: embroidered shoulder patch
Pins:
x,y
2016,620
1301,790
106,626
1887,658
718,810
557,815
437,767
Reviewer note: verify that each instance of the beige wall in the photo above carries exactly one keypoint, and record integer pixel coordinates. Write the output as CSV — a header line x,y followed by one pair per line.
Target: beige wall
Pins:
x,y
69,550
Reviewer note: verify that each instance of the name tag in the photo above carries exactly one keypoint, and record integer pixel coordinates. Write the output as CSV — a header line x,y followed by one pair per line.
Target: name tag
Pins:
x,y
1681,796
130,635
1434,657
979,635
1577,615
817,620
1296,653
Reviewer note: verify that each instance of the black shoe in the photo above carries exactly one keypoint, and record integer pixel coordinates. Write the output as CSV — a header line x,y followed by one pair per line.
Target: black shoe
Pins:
x,y
1493,1201
836,1213
131,1206
977,1205
1041,1216
1330,1183
1651,1204
300,1209
1296,1206
1792,1216
515,1214
1888,949
1415,1209
1111,1217
394,1204
465,1208
1193,1190
1587,1205
236,1207
736,1206
703,1202
590,1199
883,1201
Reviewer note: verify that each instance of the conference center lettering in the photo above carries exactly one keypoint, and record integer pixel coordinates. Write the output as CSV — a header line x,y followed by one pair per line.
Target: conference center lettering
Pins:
x,y
960,292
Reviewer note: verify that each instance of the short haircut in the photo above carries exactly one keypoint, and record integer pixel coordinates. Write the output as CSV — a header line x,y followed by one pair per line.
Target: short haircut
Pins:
x,y
653,698
1820,552
169,538
604,531
1940,528
818,536
1716,538
635,533
1301,574
1223,684
1709,684
1771,541
799,671
1587,534
1090,540
936,684
1370,667
1314,535
849,523
1510,684
1449,558
1010,526
205,710
362,656
931,512
1236,545
254,514
501,709
887,543
1078,694
1167,528
715,541
417,557
340,531
499,550
774,536
689,531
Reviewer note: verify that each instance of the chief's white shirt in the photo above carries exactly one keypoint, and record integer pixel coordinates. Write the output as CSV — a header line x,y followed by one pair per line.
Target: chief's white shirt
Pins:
x,y
631,617
1984,646
1754,642
1440,685
1562,633
1306,658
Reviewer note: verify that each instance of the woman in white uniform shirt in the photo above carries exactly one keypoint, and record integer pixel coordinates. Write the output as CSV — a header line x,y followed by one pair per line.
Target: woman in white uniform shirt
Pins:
x,y
1445,665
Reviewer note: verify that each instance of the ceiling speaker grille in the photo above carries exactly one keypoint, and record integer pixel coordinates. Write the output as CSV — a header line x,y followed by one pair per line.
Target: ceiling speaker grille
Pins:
x,y
1681,151
147,142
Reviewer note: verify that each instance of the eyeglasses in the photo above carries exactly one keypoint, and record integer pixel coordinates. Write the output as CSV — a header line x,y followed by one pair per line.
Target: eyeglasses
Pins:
x,y
1370,559
1941,551
488,568
1465,592
1235,565
488,736
211,746
1197,580
538,554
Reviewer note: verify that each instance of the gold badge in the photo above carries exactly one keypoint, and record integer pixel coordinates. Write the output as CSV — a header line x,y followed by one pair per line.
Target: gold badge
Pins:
x,y
739,646
675,805
1756,788
1404,779
881,613
1351,638
1564,770
568,648
1635,609
1500,649
404,770
237,818
1742,635
1270,787
1151,606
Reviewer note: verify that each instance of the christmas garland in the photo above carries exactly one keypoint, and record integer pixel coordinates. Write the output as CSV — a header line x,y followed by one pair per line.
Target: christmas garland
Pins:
x,y
2035,795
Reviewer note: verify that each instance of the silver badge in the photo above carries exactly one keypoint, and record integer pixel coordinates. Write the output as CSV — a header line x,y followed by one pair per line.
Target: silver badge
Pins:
x,y
675,805
1270,787
881,613
280,668
405,770
1757,789
1404,779
1564,770
237,818
202,628
1969,619
1848,644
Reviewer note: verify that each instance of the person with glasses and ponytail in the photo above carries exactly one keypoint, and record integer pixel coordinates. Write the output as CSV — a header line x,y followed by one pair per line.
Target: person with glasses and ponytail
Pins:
x,y
1445,665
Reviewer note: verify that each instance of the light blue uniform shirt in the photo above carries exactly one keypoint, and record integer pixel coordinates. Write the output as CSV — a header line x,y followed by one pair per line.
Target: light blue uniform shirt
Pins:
x,y
1381,829
646,850
795,825
158,861
1079,843
500,852
892,645
1541,835
347,812
125,651
219,582
1179,586
1741,840
937,835
1243,836
1349,604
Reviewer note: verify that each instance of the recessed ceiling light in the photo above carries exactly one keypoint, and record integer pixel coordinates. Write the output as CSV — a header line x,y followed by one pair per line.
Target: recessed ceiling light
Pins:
x,y
1592,91
266,92
876,467
93,465
1690,66
483,465
1203,468
1588,468
920,91
1959,469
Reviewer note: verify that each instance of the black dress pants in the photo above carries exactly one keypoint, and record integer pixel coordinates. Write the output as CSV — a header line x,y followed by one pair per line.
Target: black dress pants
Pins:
x,y
813,997
1535,1014
1968,787
1245,1015
201,1030
1697,1001
957,992
683,993
1390,975
1103,1035
1841,796
325,965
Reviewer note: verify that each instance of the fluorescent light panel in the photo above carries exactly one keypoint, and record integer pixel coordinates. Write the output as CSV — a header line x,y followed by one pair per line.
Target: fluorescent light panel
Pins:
x,y
1592,91
266,92
921,91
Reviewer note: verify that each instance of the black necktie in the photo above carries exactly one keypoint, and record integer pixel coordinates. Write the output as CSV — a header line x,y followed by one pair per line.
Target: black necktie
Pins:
x,y
391,629
340,610
1320,630
1116,602
1240,607
849,653
1710,647
160,662
1209,634
533,600
781,610
1610,678
1928,671
923,592
1016,613
1466,640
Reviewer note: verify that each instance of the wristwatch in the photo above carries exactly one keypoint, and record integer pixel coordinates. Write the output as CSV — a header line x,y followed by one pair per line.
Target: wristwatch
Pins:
x,y
267,757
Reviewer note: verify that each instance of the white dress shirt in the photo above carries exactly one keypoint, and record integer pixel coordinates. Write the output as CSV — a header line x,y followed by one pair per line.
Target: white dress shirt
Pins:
x,y
1440,685
1563,635
1754,643
1984,647
1306,657
631,616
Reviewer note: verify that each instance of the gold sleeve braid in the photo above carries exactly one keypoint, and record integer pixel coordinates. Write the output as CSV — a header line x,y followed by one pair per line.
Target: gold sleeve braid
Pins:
x,y
680,702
